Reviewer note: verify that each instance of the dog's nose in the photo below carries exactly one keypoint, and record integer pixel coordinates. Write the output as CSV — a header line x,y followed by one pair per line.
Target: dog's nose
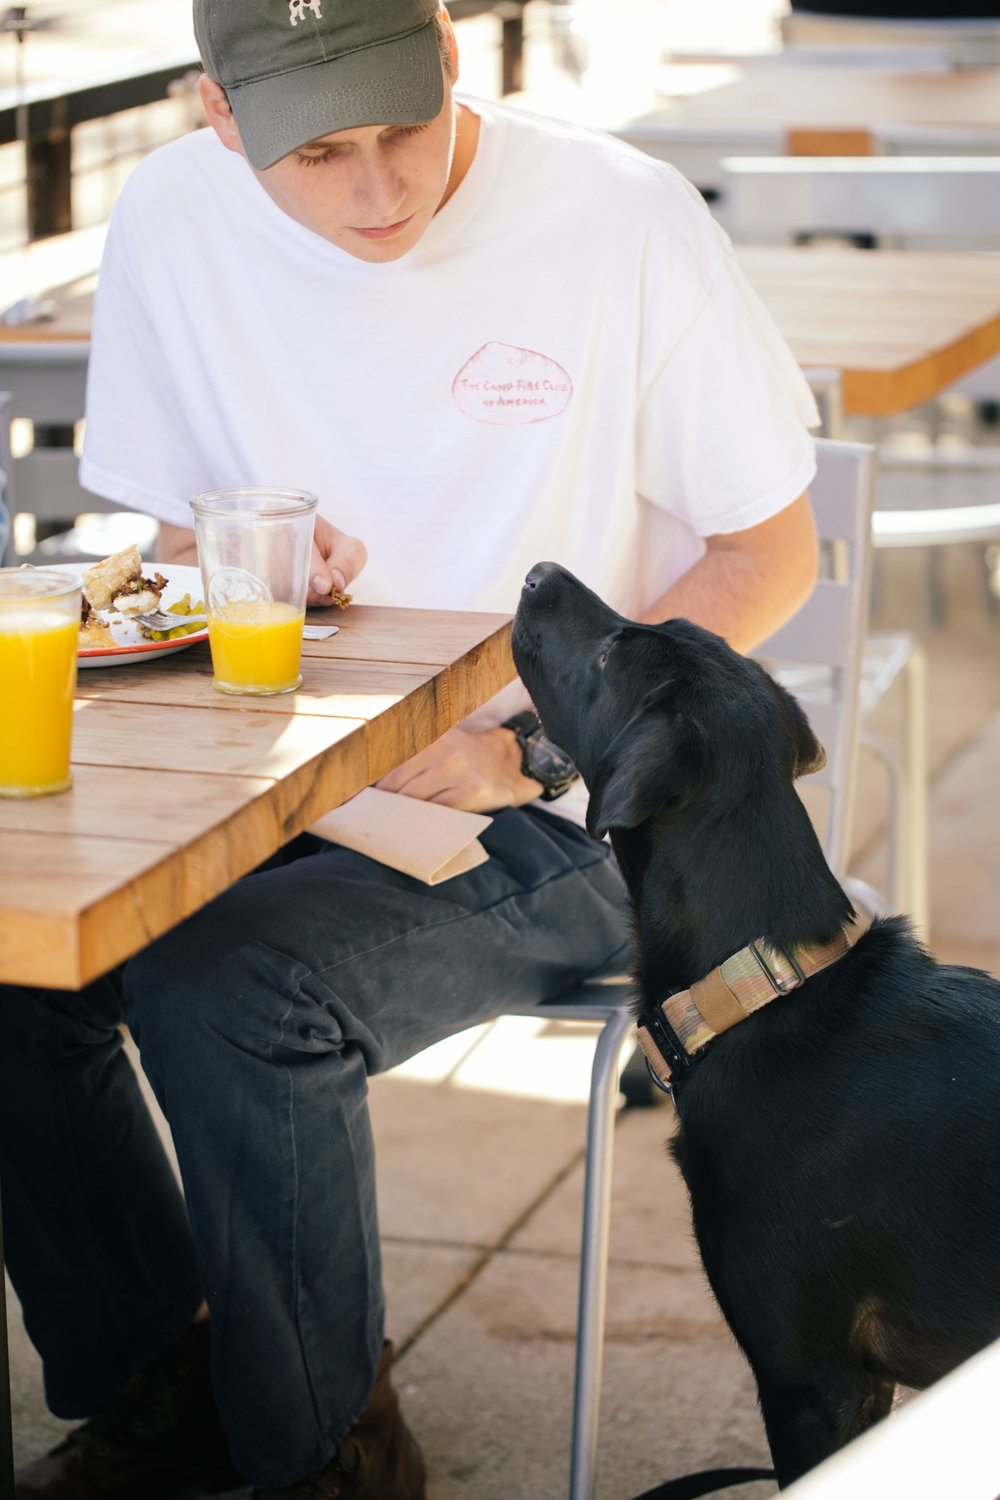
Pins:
x,y
538,572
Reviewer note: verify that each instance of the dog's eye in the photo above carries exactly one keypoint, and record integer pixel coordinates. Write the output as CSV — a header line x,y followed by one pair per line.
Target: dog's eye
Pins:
x,y
602,659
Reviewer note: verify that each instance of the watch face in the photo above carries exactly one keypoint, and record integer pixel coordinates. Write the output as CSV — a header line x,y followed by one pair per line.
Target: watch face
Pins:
x,y
549,764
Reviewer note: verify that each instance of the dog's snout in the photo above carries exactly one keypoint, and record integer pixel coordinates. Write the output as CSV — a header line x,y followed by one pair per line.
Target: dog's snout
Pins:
x,y
538,572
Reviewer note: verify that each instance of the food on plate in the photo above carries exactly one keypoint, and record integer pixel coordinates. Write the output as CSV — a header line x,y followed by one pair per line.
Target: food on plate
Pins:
x,y
115,591
116,583
183,606
94,632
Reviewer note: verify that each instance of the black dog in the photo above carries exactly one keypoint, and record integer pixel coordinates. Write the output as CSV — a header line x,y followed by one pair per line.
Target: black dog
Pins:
x,y
842,1148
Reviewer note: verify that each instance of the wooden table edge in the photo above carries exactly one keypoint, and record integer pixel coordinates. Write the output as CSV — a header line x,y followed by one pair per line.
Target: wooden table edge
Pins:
x,y
183,880
887,393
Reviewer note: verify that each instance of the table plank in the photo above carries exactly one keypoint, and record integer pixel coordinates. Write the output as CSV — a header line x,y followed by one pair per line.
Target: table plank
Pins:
x,y
293,749
330,688
439,637
404,705
153,806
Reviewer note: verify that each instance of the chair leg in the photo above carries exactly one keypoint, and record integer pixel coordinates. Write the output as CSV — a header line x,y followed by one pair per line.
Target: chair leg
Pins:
x,y
917,787
594,1254
6,1433
908,777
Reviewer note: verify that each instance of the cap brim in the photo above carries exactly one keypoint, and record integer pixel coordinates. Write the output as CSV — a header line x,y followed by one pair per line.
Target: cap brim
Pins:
x,y
392,83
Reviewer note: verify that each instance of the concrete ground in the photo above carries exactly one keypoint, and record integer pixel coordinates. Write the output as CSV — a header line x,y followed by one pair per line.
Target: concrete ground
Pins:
x,y
480,1144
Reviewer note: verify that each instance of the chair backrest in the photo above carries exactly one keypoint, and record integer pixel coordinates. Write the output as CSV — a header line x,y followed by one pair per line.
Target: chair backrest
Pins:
x,y
767,198
47,381
698,147
818,654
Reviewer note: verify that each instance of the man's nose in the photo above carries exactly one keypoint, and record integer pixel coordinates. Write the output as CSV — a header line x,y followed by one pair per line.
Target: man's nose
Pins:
x,y
382,188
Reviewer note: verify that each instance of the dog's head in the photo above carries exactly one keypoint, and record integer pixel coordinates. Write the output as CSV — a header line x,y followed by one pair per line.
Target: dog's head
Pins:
x,y
652,715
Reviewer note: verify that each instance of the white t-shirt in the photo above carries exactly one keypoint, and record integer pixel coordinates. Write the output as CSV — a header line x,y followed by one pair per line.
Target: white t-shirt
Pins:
x,y
569,365
570,338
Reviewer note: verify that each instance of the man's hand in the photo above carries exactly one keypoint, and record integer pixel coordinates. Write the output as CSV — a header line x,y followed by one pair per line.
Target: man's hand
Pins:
x,y
475,772
336,559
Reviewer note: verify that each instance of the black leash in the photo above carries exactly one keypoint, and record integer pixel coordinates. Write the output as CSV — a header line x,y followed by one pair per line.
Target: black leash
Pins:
x,y
705,1482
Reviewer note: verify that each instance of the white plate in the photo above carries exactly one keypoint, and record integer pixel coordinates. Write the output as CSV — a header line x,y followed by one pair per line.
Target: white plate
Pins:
x,y
130,646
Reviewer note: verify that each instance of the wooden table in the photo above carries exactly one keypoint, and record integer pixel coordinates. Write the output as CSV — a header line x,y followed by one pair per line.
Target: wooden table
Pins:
x,y
900,326
179,789
833,111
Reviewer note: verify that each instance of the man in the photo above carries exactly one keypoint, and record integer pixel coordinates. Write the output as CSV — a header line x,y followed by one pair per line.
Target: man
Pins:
x,y
482,340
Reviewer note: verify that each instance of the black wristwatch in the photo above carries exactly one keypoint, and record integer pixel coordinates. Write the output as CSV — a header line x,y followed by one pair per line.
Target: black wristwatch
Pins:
x,y
540,759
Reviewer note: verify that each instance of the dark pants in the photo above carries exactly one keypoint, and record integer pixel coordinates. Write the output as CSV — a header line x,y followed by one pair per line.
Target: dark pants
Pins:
x,y
259,1020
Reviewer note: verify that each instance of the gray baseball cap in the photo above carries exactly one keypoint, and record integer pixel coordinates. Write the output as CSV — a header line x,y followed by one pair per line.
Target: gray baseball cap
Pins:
x,y
295,70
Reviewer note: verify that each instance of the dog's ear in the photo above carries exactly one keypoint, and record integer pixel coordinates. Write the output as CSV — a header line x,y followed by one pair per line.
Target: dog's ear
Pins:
x,y
638,773
809,753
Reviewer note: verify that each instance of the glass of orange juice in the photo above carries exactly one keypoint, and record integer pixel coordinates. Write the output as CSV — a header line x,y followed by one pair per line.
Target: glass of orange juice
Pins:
x,y
254,546
39,627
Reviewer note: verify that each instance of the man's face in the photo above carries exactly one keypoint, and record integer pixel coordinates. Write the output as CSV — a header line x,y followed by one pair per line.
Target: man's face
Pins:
x,y
372,190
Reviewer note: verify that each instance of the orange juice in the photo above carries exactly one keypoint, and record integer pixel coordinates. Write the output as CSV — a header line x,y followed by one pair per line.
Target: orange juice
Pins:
x,y
37,681
256,648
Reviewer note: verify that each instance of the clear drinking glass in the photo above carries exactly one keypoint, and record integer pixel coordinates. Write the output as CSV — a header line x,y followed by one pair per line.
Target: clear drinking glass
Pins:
x,y
254,546
39,629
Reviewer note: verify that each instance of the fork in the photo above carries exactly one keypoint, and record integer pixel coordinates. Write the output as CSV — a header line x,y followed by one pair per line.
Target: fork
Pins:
x,y
161,619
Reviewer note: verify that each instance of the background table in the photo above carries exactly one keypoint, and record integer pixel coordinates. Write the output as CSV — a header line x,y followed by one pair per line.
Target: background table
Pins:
x,y
705,112
835,111
179,789
900,326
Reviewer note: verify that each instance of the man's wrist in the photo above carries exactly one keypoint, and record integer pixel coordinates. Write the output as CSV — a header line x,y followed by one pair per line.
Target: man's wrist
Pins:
x,y
541,760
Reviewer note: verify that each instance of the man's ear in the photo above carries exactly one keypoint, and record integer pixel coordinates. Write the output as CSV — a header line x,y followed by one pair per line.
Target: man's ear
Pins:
x,y
452,45
649,763
218,113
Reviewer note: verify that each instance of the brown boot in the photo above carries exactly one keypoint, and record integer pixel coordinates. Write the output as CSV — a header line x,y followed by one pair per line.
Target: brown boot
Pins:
x,y
378,1459
159,1437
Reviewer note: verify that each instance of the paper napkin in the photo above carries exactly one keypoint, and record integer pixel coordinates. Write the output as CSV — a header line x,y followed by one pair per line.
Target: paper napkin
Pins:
x,y
422,839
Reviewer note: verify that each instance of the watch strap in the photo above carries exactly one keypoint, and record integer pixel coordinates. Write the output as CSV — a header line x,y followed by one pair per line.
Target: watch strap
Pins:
x,y
531,737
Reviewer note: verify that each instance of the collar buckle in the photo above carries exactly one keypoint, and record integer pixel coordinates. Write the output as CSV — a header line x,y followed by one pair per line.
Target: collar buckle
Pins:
x,y
673,1054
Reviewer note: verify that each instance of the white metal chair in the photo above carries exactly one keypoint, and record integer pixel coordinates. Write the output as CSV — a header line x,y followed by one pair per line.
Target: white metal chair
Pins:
x,y
840,672
820,654
908,196
698,147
